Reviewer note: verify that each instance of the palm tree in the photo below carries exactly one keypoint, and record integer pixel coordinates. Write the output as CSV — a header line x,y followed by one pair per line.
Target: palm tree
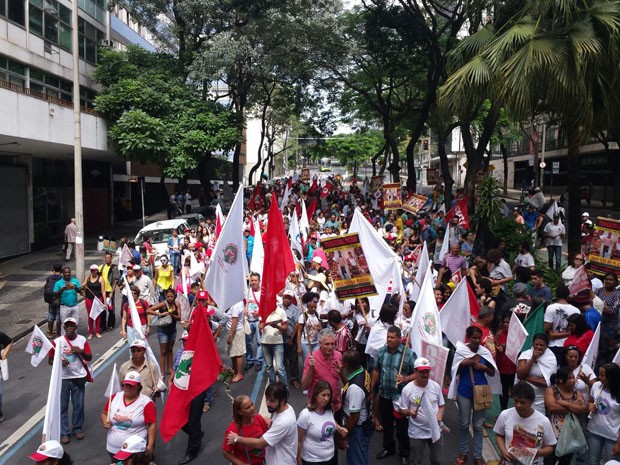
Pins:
x,y
556,57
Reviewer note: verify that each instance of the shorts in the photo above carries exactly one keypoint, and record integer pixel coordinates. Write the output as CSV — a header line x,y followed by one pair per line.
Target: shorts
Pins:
x,y
53,312
167,334
237,348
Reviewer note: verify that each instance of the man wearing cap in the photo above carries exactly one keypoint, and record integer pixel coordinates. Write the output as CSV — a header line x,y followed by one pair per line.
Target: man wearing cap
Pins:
x,y
390,380
50,453
272,344
145,285
138,363
423,404
254,356
554,233
67,288
75,354
291,360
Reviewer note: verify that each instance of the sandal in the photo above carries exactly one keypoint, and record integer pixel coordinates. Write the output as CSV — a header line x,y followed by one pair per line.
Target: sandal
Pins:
x,y
378,426
461,459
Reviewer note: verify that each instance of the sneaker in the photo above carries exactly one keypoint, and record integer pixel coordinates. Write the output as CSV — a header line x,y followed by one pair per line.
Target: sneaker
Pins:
x,y
98,336
90,336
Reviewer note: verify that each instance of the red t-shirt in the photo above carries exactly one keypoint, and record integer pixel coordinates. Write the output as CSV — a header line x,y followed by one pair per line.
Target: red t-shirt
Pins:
x,y
504,364
582,342
141,306
255,430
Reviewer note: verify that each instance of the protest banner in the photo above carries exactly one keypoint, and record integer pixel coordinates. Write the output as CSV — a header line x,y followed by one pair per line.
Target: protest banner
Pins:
x,y
438,356
605,250
432,176
305,174
348,266
391,196
415,203
375,183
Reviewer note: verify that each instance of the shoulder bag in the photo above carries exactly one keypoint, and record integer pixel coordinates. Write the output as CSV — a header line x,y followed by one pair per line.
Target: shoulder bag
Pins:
x,y
571,437
483,397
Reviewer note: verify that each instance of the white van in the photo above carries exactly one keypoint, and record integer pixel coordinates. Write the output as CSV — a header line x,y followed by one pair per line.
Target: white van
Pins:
x,y
160,231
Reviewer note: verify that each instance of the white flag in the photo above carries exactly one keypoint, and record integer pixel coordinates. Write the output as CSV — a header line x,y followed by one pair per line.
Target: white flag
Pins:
x,y
196,268
616,359
126,256
226,276
96,308
304,224
455,315
38,346
591,355
51,424
517,334
423,262
552,210
445,245
425,322
258,251
295,235
285,196
113,385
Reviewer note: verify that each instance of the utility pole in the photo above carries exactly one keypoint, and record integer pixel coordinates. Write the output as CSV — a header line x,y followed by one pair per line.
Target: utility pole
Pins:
x,y
77,146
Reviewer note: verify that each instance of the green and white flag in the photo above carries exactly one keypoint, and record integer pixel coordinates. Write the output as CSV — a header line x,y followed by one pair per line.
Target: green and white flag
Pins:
x,y
38,346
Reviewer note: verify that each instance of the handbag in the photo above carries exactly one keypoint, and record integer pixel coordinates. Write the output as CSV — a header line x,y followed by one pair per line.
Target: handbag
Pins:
x,y
4,369
483,397
162,320
571,437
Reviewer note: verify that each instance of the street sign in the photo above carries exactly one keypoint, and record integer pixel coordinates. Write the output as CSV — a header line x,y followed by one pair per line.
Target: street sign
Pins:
x,y
543,165
555,167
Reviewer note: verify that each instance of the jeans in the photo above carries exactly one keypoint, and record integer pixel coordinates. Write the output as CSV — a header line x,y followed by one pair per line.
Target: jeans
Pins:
x,y
249,344
175,260
417,451
291,362
209,395
76,393
465,413
358,452
386,412
66,312
597,445
274,362
557,251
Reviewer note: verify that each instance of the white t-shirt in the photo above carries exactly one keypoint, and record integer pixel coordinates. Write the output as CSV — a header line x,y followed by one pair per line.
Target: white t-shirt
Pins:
x,y
555,230
282,439
128,420
355,402
580,385
253,302
236,311
420,426
311,329
534,431
318,445
75,369
557,315
271,334
605,421
525,259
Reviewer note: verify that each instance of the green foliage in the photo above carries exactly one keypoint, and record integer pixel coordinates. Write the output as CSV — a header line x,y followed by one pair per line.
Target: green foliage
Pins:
x,y
488,204
156,116
349,148
513,234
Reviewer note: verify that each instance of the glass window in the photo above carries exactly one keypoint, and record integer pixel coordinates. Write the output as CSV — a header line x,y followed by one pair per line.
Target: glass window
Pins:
x,y
3,62
17,81
51,28
36,20
37,75
17,68
65,14
38,3
36,87
2,7
64,36
17,11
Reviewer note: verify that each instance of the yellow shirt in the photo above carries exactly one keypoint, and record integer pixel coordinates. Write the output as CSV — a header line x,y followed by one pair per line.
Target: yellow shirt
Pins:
x,y
164,277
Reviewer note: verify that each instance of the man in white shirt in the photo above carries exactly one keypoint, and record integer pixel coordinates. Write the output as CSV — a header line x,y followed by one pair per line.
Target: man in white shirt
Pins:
x,y
280,440
556,322
423,402
554,233
254,356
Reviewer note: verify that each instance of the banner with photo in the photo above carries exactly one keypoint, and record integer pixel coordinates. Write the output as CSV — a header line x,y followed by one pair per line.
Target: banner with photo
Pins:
x,y
438,356
391,196
375,183
305,174
605,249
348,266
415,203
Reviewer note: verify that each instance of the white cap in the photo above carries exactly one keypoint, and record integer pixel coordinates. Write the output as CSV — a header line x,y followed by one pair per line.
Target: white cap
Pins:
x,y
585,214
70,320
49,449
422,363
132,377
138,343
136,267
317,260
94,267
133,444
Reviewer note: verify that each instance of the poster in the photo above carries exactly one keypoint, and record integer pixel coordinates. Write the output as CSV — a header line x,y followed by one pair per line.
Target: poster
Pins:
x,y
432,176
305,174
605,250
391,196
438,356
375,183
348,266
415,203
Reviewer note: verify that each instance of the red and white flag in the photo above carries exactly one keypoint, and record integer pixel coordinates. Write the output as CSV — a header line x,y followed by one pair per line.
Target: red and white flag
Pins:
x,y
287,193
256,199
517,335
326,190
580,281
38,346
51,424
304,222
198,369
312,209
219,222
126,256
114,385
591,355
279,262
314,186
460,209
423,263
258,252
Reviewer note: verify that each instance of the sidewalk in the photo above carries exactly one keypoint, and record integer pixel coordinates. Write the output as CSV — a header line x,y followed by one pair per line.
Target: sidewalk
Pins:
x,y
22,278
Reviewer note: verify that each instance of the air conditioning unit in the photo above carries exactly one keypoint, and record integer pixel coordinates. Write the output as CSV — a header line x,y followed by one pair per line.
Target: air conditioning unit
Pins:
x,y
49,48
107,43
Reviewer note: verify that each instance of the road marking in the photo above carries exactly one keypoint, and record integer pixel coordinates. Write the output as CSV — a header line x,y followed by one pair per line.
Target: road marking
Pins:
x,y
24,433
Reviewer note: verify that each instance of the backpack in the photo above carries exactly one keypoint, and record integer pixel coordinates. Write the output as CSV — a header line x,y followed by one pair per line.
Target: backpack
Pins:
x,y
48,291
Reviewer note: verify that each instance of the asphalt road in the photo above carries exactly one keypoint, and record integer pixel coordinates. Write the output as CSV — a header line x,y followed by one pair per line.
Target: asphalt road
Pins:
x,y
25,395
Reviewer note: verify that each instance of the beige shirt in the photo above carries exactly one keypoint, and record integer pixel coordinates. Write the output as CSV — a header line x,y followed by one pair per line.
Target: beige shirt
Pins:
x,y
148,373
271,334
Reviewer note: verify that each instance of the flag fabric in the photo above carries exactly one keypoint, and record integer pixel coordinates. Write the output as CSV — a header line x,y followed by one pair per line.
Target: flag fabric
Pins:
x,y
552,210
445,245
517,335
616,359
326,190
258,252
460,209
256,199
455,315
38,346
312,209
474,304
287,193
457,277
198,369
442,208
591,356
278,264
423,262
295,234
425,322
125,257
226,277
51,424
219,221
314,187
534,323
580,281
96,309
114,385
304,222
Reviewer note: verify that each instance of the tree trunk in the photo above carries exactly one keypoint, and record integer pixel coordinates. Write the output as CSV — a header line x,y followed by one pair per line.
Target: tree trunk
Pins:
x,y
574,187
504,151
411,178
374,159
445,168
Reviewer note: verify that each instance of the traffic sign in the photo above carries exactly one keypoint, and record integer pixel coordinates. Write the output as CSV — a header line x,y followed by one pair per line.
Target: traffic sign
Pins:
x,y
543,165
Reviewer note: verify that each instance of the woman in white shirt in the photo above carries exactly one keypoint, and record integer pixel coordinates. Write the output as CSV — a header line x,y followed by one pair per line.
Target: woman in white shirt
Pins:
x,y
604,406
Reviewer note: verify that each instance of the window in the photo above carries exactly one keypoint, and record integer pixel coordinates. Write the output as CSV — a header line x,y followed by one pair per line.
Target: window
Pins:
x,y
52,21
2,7
13,72
90,37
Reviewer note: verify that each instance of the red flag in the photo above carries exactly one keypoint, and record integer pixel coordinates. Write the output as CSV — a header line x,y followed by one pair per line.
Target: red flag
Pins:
x,y
198,369
460,209
474,305
314,186
326,190
278,264
580,281
256,199
219,222
311,210
252,230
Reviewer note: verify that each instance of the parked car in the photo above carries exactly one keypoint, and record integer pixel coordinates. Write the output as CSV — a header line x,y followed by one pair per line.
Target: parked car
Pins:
x,y
160,231
193,219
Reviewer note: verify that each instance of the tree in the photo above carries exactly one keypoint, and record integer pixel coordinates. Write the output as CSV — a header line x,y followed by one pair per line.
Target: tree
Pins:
x,y
350,149
557,55
155,116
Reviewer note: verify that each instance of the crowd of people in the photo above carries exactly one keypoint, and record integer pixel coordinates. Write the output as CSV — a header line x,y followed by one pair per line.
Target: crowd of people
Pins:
x,y
351,358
